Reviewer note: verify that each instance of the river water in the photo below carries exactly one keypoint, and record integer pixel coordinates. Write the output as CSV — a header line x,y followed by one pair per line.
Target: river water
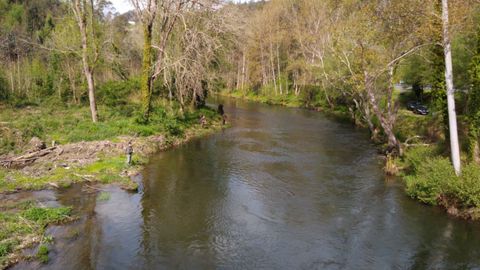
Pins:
x,y
281,189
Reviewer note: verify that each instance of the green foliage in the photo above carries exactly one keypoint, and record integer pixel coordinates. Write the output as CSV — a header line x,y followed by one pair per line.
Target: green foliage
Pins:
x,y
473,113
46,215
432,176
115,93
416,156
25,221
42,254
4,92
467,187
431,179
14,16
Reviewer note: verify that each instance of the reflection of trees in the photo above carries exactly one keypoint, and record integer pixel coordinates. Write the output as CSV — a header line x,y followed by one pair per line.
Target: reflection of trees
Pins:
x,y
181,188
84,250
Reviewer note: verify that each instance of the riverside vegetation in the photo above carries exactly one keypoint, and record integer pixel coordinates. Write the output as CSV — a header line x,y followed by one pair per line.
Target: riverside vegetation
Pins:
x,y
84,152
364,61
78,73
77,84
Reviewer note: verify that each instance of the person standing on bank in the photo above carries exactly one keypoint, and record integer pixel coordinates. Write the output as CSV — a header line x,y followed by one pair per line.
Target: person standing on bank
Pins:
x,y
129,152
222,113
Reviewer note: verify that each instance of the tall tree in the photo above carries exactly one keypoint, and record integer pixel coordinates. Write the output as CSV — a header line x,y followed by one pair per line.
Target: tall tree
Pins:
x,y
147,12
452,116
81,9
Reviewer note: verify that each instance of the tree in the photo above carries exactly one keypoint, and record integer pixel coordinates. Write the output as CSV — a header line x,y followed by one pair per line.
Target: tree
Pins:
x,y
473,109
81,9
147,12
452,117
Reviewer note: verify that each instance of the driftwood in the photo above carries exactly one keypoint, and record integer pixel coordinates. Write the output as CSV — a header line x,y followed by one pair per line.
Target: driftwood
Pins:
x,y
26,159
407,144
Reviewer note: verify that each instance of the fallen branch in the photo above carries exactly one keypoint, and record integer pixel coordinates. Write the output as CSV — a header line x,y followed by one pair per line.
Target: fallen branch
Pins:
x,y
406,144
23,160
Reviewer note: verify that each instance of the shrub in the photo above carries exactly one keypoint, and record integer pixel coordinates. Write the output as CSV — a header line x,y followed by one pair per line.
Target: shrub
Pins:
x,y
432,176
467,187
115,93
417,156
431,179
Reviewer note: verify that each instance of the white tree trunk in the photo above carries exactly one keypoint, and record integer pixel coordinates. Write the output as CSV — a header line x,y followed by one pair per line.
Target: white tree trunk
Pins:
x,y
452,117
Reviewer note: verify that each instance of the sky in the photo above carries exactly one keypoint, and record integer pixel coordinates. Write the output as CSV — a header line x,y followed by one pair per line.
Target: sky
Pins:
x,y
123,6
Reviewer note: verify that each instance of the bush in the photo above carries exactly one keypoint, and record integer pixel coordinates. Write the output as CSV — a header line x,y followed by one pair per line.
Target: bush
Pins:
x,y
433,176
115,93
417,156
467,187
431,179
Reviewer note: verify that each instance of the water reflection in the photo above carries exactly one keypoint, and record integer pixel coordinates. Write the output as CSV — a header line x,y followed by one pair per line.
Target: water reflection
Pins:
x,y
282,189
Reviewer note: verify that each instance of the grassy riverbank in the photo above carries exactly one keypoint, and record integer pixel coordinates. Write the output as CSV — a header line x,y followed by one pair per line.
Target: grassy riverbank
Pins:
x,y
425,167
89,151
84,152
22,225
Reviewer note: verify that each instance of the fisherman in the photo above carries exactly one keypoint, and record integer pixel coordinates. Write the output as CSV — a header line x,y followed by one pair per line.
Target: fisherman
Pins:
x,y
220,109
222,113
129,152
203,121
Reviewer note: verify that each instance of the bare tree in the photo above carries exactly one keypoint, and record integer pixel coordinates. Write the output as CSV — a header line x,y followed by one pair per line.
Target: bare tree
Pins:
x,y
81,10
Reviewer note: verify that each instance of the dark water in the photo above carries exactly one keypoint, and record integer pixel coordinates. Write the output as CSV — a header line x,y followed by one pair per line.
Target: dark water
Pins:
x,y
282,189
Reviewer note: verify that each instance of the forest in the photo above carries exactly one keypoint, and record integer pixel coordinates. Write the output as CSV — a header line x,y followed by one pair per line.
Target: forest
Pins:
x,y
77,70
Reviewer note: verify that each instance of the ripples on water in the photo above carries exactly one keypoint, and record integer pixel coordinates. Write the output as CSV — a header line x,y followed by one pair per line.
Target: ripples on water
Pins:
x,y
282,189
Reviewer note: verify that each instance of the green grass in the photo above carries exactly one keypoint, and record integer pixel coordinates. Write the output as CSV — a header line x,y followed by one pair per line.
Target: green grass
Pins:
x,y
289,100
106,170
22,223
42,253
73,124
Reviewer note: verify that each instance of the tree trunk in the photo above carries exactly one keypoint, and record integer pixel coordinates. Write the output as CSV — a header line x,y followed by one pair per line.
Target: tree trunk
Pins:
x,y
243,70
273,69
387,122
452,117
146,80
279,73
87,70
262,63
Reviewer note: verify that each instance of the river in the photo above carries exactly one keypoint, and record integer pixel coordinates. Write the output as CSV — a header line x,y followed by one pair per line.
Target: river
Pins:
x,y
282,189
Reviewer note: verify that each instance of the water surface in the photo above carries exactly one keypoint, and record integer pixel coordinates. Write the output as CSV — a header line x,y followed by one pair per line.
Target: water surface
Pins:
x,y
281,189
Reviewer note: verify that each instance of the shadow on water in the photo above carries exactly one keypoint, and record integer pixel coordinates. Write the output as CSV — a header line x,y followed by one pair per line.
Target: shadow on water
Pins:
x,y
282,189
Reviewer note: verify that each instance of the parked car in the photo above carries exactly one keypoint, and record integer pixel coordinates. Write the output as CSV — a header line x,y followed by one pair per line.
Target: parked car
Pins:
x,y
412,105
421,109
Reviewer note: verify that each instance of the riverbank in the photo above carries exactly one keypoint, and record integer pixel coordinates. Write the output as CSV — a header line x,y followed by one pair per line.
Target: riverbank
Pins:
x,y
79,152
424,168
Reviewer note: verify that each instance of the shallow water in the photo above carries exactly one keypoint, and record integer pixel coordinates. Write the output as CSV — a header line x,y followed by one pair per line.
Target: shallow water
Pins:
x,y
281,189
